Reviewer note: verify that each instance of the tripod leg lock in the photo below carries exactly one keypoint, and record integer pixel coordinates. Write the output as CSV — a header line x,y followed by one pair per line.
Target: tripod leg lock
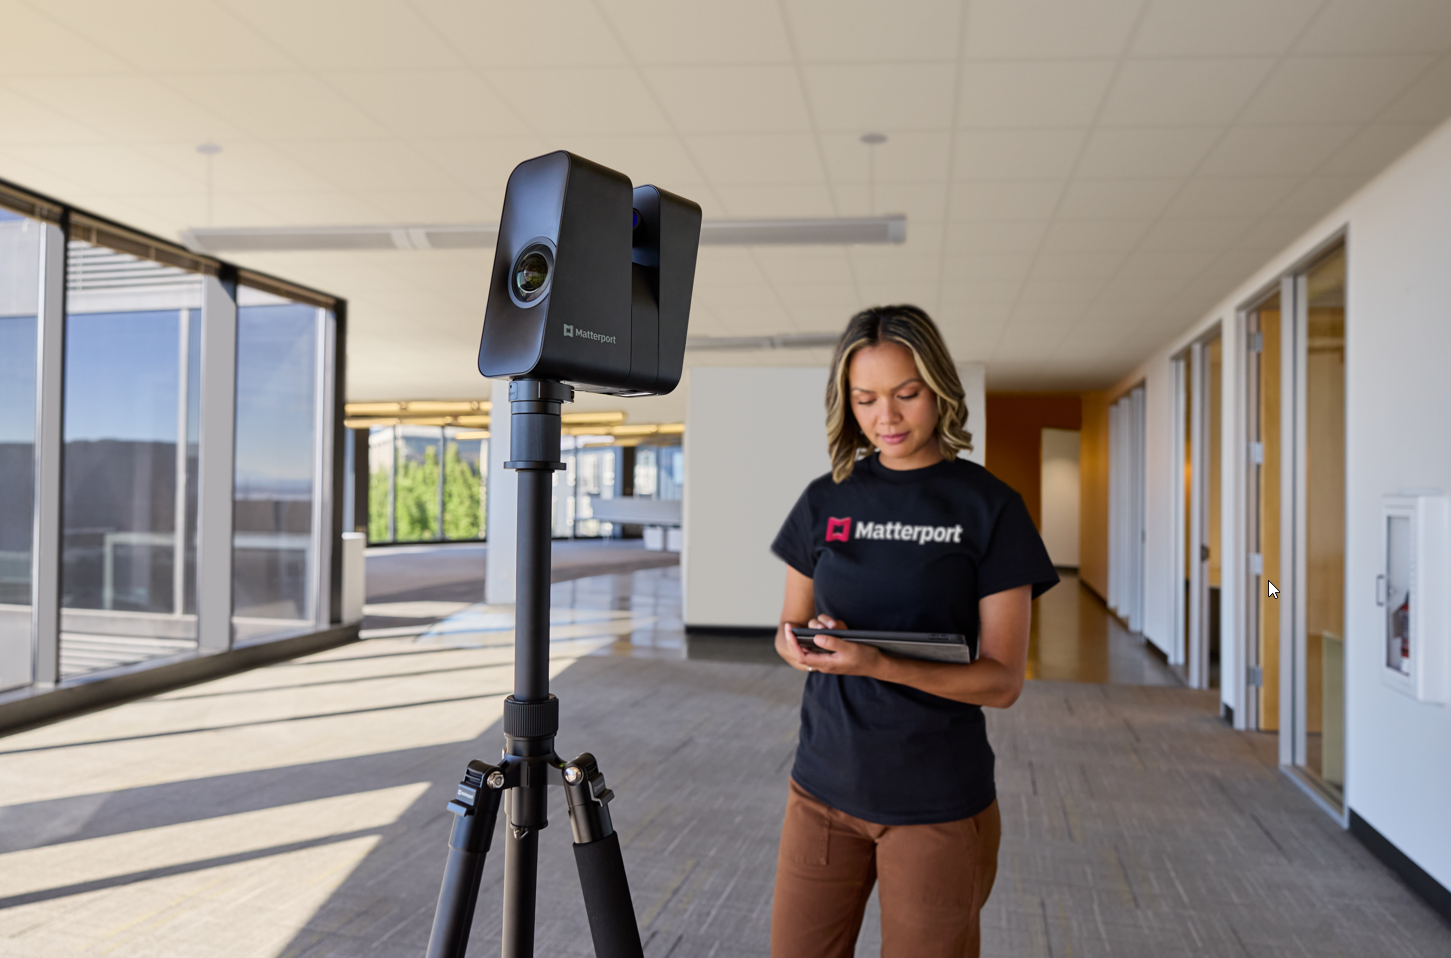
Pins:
x,y
476,803
584,786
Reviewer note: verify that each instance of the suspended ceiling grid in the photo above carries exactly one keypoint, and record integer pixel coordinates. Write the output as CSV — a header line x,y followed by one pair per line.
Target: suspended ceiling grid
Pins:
x,y
1082,180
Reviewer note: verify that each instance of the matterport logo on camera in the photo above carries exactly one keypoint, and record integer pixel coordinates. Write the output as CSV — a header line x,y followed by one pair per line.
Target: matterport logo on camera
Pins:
x,y
576,332
840,530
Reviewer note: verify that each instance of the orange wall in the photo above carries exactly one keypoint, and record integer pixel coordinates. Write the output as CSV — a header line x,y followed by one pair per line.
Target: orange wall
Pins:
x,y
1093,494
1015,444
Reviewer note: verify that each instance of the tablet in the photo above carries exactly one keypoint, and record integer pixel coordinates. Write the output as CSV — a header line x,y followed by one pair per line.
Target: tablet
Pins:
x,y
925,646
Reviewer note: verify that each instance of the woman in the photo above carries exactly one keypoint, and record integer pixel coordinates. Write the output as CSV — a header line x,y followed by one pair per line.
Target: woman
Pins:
x,y
894,775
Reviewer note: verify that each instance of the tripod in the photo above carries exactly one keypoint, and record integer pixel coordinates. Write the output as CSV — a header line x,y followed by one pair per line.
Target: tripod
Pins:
x,y
531,719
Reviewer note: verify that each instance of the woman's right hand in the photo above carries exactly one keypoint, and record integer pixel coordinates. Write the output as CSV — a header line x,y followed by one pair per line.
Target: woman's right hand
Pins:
x,y
789,649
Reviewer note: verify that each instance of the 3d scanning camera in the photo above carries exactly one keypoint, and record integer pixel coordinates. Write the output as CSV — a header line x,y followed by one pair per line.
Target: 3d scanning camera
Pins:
x,y
592,280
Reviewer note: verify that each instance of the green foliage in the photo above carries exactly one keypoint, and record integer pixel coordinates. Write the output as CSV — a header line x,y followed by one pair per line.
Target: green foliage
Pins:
x,y
415,515
378,505
463,512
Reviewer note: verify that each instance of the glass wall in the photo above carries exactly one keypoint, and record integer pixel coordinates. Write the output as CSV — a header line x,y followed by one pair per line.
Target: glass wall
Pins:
x,y
275,576
1324,646
659,472
427,483
143,352
19,295
129,512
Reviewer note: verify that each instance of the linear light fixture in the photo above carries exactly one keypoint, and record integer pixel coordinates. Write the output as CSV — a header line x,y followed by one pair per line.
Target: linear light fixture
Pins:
x,y
838,231
788,341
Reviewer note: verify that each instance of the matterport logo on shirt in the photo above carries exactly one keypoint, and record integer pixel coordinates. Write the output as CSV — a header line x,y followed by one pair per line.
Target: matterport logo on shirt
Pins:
x,y
840,530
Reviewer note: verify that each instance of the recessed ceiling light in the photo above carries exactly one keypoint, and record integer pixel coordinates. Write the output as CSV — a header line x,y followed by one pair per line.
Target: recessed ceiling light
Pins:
x,y
209,149
872,139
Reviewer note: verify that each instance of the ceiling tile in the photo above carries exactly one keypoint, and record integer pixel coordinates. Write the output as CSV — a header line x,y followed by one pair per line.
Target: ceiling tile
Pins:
x,y
1319,195
661,160
1135,292
1374,147
865,31
427,103
1163,264
44,34
1232,196
982,293
1117,199
244,166
601,100
906,157
824,317
368,33
489,35
1109,235
1147,152
434,206
1221,28
483,164
757,159
1427,100
1044,93
276,105
1041,291
368,164
664,32
884,98
727,266
1202,235
1004,199
1275,151
990,267
27,121
167,37
1016,154
800,276
1384,26
797,199
110,169
335,208
731,99
1042,29
1332,89
922,203
1183,92
1273,233
995,236
906,265
1082,265
127,108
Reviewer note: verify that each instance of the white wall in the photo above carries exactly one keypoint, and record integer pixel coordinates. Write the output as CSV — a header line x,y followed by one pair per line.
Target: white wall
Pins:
x,y
1398,340
754,438
502,503
1060,493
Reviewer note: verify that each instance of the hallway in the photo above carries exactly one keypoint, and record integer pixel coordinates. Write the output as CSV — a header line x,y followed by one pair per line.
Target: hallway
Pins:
x,y
298,810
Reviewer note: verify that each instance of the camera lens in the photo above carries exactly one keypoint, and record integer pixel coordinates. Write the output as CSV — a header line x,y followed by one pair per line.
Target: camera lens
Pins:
x,y
531,273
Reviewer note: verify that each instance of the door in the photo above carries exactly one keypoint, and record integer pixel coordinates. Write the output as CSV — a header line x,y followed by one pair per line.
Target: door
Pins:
x,y
1263,408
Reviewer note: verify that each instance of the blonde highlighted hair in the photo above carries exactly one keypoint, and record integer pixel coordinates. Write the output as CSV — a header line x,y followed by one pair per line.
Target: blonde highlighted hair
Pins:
x,y
914,329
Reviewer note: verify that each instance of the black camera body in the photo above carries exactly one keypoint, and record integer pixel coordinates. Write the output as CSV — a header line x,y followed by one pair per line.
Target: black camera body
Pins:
x,y
592,280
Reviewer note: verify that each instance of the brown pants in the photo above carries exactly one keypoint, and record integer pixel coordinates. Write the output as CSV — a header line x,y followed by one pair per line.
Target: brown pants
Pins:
x,y
935,879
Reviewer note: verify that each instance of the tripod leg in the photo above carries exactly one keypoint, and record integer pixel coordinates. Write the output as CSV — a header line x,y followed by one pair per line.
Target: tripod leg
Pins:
x,y
600,862
476,808
521,876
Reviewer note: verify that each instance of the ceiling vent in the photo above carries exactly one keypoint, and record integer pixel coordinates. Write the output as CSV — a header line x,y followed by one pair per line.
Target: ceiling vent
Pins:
x,y
789,341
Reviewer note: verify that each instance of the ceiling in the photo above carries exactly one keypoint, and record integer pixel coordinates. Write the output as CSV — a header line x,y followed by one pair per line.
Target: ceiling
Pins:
x,y
1082,180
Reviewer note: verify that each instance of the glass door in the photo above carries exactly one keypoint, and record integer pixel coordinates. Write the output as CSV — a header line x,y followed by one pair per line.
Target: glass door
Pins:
x,y
1320,599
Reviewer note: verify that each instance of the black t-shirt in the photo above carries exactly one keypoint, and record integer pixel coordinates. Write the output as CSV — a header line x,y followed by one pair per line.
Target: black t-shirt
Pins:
x,y
908,550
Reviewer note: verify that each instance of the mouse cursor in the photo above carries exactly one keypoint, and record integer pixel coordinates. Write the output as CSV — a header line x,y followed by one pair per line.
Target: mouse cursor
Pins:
x,y
1274,593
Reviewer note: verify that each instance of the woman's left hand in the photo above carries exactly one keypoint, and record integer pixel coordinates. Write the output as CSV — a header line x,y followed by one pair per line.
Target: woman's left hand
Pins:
x,y
845,657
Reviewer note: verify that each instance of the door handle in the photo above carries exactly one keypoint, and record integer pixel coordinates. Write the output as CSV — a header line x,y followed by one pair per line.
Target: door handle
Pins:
x,y
1380,590
1204,553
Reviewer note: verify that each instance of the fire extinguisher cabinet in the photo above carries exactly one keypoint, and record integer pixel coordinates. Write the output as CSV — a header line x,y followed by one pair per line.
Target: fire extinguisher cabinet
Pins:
x,y
1413,593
